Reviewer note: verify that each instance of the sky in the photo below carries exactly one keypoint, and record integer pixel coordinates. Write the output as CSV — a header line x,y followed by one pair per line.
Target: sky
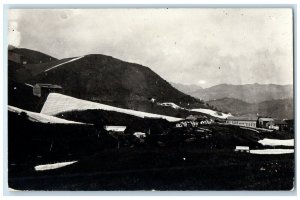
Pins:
x,y
200,46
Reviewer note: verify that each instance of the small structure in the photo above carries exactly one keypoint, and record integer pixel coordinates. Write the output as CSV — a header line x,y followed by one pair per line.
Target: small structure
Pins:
x,y
42,90
140,135
242,148
179,125
119,129
263,121
277,125
243,121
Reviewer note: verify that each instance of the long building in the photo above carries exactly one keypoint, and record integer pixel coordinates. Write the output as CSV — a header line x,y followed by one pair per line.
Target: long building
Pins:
x,y
243,121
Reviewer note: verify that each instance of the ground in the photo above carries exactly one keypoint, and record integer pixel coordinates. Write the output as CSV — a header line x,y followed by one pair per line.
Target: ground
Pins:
x,y
166,169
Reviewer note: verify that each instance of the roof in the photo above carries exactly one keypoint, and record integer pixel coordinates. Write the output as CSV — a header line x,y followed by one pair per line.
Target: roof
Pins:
x,y
265,119
242,118
47,85
280,122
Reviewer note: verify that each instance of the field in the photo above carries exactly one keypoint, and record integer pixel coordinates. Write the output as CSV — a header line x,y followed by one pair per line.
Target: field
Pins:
x,y
178,159
166,169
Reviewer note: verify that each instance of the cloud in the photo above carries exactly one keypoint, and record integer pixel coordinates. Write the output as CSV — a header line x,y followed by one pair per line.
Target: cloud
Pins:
x,y
201,82
234,46
14,36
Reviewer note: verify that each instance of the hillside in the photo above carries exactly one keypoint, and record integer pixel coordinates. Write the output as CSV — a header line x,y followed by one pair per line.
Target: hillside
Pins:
x,y
26,72
250,93
58,103
234,106
31,56
104,79
280,108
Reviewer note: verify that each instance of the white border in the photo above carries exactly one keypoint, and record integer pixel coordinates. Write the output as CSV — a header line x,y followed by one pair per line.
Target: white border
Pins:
x,y
148,3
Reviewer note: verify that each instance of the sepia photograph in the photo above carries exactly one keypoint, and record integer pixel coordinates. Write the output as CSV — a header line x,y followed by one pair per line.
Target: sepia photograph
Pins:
x,y
150,99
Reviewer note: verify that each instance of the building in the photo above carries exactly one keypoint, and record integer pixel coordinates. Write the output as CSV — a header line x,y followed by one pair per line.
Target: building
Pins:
x,y
242,148
248,121
264,121
42,90
278,125
120,129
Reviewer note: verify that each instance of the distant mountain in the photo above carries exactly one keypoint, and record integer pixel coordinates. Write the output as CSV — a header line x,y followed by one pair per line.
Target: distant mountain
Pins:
x,y
187,89
250,93
105,79
31,56
233,106
280,108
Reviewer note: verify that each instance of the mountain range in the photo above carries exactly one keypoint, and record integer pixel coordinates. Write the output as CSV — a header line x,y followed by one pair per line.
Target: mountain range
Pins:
x,y
279,108
250,93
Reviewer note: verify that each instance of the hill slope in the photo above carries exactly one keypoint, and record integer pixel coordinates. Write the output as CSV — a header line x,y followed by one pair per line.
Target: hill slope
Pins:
x,y
58,103
108,80
250,93
31,56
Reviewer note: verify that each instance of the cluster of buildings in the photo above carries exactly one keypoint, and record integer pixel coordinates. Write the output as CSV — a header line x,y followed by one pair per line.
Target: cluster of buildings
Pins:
x,y
246,121
261,122
193,121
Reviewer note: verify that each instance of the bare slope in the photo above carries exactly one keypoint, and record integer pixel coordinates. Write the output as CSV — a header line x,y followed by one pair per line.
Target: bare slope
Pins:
x,y
39,117
58,103
108,80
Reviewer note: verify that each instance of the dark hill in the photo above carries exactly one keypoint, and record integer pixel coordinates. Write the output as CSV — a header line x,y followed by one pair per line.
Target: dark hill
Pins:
x,y
234,106
26,72
33,57
108,80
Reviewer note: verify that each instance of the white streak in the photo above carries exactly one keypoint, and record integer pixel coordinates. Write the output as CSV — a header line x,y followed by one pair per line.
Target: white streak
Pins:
x,y
39,117
53,166
272,151
275,142
115,128
58,103
170,104
64,63
212,113
28,85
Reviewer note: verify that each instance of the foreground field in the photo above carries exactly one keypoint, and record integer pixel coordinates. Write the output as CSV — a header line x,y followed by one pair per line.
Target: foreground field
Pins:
x,y
168,158
165,169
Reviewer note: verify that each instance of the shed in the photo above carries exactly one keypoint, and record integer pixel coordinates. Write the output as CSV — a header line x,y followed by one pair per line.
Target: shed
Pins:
x,y
278,125
43,89
263,121
242,148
